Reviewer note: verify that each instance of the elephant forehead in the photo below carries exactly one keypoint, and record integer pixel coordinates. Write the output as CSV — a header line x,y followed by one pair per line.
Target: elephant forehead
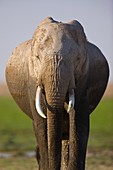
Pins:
x,y
53,38
56,29
51,32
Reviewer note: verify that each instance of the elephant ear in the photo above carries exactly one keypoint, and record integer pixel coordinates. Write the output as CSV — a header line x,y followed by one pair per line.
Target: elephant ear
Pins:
x,y
17,75
78,33
81,60
98,75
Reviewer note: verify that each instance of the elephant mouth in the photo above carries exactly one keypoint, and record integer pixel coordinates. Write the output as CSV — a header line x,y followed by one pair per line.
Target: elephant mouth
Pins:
x,y
68,107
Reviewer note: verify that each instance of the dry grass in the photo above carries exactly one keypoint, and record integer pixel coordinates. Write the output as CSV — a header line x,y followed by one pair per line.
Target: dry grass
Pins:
x,y
5,92
109,91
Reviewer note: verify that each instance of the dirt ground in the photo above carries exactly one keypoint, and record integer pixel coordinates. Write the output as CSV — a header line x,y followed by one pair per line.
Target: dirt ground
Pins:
x,y
95,161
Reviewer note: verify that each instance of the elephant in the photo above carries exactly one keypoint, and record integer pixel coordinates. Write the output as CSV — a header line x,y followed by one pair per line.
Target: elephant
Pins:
x,y
58,78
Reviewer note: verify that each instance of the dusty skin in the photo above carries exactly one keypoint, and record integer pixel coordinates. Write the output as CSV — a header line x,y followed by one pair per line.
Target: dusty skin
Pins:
x,y
58,67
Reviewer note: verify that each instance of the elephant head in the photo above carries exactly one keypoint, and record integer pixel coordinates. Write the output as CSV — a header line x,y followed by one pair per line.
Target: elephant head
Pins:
x,y
57,50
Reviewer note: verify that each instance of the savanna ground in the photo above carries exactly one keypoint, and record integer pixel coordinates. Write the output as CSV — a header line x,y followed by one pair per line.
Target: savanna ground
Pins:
x,y
17,137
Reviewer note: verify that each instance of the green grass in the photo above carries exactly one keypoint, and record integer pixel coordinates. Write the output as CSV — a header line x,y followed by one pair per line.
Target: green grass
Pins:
x,y
18,163
15,128
101,134
16,131
16,135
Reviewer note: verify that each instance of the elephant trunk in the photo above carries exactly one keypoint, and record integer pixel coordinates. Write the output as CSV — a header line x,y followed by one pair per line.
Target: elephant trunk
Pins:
x,y
54,122
55,109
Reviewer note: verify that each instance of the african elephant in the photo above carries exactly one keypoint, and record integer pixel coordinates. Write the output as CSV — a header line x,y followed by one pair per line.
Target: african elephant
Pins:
x,y
58,78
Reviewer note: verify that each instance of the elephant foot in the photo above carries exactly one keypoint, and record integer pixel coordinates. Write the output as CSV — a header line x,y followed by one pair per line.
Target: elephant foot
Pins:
x,y
65,154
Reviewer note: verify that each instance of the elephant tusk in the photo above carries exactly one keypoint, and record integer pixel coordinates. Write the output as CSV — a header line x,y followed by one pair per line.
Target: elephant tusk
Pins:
x,y
71,101
37,102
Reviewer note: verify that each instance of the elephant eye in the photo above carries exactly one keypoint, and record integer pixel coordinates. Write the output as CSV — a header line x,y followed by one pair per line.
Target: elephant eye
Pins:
x,y
78,58
37,56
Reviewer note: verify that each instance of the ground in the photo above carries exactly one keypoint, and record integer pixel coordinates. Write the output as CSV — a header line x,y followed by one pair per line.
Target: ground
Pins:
x,y
95,161
17,137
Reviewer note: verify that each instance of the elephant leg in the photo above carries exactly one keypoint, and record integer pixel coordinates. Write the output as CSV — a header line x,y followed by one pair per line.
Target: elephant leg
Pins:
x,y
73,147
65,154
82,127
40,129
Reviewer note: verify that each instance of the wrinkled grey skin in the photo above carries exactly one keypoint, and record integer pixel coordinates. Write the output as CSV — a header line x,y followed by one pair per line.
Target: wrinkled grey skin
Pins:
x,y
58,59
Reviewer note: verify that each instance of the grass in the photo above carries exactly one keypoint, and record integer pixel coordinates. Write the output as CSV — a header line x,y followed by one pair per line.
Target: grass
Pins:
x,y
16,135
22,163
18,163
15,128
102,126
